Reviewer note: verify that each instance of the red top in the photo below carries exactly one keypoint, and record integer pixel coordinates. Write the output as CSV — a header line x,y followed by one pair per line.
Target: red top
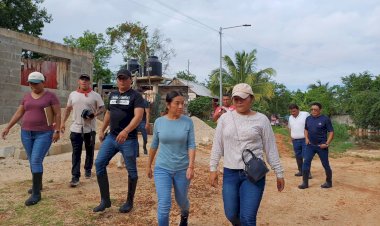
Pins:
x,y
218,109
34,118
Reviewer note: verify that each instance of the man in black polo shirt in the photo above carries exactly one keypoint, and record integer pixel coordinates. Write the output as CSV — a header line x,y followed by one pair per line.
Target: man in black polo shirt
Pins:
x,y
319,133
124,113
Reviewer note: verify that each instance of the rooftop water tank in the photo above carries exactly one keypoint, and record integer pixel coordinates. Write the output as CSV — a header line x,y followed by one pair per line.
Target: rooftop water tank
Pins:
x,y
133,66
154,66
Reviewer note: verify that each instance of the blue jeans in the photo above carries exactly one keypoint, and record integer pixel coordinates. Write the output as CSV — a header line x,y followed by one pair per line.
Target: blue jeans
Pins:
x,y
36,144
323,154
110,148
299,147
141,128
241,197
165,180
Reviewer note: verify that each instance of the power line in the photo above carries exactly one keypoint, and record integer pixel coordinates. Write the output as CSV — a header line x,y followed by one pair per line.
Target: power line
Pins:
x,y
170,16
189,17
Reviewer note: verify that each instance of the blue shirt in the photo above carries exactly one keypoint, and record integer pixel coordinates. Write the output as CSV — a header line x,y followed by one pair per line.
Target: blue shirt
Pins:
x,y
317,128
175,138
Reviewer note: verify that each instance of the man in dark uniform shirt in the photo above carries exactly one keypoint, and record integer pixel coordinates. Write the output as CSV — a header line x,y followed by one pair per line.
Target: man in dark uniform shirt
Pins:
x,y
319,133
124,113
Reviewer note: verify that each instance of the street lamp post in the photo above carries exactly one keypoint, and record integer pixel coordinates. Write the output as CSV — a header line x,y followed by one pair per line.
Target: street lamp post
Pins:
x,y
220,65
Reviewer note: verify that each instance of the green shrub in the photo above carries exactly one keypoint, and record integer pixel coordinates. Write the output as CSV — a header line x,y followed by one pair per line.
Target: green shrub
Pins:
x,y
200,107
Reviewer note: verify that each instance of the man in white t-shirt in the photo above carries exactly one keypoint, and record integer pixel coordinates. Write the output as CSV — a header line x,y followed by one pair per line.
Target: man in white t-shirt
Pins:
x,y
86,105
296,126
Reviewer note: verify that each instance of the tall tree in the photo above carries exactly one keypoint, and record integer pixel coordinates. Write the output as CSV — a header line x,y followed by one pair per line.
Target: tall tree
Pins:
x,y
323,94
280,100
243,70
100,47
361,98
134,43
185,76
24,16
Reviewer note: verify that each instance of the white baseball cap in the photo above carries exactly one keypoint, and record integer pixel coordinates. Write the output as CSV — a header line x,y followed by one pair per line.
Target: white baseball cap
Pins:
x,y
36,77
242,90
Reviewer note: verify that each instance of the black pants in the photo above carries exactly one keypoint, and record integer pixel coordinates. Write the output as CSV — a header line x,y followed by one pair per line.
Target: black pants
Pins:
x,y
77,143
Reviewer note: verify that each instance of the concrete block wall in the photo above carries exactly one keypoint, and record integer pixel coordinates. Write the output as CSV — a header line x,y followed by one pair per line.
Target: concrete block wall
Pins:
x,y
11,45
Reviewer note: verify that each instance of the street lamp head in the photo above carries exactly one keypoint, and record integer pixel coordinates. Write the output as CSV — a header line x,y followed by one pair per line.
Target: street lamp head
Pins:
x,y
246,25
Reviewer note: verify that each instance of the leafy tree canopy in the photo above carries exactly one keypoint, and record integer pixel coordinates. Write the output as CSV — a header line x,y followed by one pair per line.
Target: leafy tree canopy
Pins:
x,y
185,76
100,47
243,70
23,16
134,42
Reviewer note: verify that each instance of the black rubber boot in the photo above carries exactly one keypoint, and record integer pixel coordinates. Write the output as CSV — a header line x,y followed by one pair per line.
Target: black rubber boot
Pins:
x,y
128,205
184,219
328,183
299,165
35,197
305,179
105,201
31,189
145,150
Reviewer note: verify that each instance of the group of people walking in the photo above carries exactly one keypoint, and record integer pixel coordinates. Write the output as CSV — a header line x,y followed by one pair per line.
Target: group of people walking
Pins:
x,y
238,128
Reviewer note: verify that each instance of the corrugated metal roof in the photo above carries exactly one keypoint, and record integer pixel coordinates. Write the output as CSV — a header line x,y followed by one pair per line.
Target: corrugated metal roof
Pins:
x,y
198,89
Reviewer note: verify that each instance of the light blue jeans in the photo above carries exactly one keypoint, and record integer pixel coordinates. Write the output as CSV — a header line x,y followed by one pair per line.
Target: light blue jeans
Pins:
x,y
165,180
36,144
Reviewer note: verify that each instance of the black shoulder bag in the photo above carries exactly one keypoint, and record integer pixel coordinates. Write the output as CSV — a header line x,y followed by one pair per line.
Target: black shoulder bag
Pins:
x,y
255,168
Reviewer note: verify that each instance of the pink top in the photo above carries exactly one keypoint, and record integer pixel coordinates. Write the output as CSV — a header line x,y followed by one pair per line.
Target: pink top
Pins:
x,y
34,118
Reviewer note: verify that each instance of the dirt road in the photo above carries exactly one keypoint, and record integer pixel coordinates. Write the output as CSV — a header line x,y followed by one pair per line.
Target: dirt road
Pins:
x,y
353,200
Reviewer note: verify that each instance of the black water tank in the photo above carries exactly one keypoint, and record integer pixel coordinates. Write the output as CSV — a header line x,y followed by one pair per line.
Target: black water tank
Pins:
x,y
133,66
155,65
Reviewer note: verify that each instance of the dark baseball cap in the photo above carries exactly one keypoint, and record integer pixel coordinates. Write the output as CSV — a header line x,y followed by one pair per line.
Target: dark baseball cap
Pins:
x,y
123,73
84,76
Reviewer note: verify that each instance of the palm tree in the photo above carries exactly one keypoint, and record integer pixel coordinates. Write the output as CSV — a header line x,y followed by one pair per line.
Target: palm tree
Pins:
x,y
243,71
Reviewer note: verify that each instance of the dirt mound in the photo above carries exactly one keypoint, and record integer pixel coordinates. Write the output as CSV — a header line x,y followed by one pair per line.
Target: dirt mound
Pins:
x,y
204,134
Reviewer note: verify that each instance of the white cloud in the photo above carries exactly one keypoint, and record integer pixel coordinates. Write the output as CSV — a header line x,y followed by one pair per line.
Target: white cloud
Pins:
x,y
303,40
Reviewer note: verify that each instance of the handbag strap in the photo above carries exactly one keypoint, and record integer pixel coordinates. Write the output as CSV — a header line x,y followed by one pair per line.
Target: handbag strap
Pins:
x,y
240,144
244,150
249,151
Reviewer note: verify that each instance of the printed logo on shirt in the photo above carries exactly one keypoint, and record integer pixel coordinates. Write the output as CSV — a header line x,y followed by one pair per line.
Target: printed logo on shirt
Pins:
x,y
122,100
319,124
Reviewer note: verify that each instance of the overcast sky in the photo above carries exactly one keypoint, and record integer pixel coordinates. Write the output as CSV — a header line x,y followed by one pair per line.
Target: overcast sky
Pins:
x,y
303,40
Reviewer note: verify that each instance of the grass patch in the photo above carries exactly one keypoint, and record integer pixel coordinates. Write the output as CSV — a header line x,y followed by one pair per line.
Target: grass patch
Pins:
x,y
211,123
341,142
281,130
44,213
